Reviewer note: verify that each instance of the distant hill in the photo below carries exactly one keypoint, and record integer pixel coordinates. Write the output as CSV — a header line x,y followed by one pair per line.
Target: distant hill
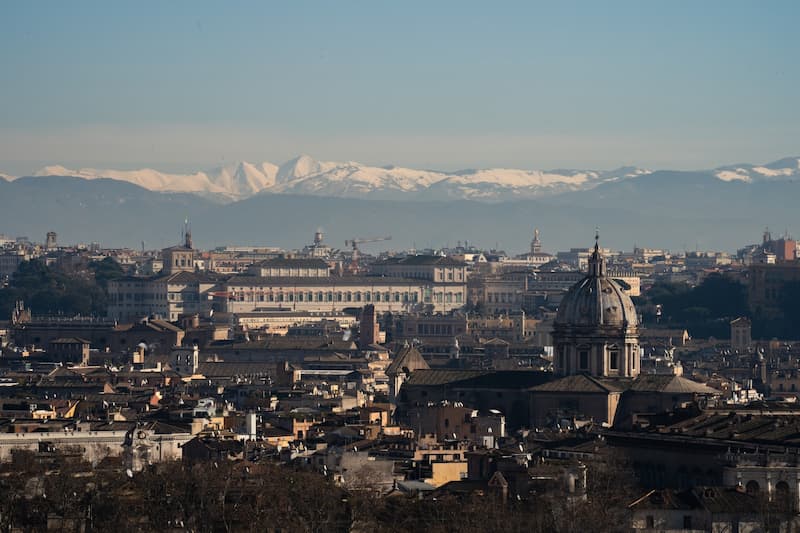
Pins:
x,y
104,210
669,209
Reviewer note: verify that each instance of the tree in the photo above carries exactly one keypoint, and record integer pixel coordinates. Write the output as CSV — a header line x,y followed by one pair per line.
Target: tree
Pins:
x,y
106,270
704,310
51,290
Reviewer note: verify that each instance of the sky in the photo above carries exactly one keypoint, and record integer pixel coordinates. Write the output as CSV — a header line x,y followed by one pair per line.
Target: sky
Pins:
x,y
188,85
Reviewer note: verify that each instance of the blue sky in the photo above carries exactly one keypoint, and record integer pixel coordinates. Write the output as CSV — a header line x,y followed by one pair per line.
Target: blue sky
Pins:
x,y
446,85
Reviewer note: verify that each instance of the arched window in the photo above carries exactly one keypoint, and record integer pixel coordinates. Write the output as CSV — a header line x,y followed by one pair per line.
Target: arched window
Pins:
x,y
783,496
752,487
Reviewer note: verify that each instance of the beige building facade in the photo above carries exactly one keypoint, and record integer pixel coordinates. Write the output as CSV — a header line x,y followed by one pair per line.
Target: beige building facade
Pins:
x,y
247,294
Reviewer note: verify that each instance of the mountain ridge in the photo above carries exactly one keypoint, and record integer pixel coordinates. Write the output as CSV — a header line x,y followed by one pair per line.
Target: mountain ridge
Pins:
x,y
674,210
306,176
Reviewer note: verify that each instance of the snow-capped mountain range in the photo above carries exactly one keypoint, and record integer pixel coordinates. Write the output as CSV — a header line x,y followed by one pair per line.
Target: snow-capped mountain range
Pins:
x,y
306,176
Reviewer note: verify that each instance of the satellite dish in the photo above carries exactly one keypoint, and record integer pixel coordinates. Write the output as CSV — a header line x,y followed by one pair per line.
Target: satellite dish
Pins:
x,y
129,473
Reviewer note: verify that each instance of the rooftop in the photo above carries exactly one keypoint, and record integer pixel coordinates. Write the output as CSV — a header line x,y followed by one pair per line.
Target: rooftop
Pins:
x,y
584,383
422,260
293,262
327,281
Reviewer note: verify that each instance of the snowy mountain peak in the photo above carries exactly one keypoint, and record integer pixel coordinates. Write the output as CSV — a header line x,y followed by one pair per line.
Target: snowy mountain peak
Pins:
x,y
243,179
787,168
304,175
55,170
299,167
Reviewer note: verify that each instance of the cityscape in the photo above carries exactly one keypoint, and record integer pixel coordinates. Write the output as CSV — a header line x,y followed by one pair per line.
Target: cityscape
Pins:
x,y
542,278
449,375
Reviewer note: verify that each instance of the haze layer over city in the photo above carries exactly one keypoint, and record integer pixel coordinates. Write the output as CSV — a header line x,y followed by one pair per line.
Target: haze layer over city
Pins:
x,y
451,266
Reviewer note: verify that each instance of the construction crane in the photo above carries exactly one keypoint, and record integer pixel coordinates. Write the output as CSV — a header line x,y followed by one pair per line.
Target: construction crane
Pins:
x,y
354,242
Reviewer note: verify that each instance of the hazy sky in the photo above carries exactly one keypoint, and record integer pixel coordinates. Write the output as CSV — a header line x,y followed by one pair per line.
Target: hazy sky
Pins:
x,y
447,85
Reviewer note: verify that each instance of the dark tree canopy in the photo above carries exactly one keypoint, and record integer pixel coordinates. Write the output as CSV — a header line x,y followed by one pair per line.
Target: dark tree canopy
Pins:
x,y
704,310
51,290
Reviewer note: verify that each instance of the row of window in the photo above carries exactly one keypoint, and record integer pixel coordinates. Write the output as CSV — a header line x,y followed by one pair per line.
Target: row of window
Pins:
x,y
584,354
436,329
278,272
438,274
135,296
349,296
500,297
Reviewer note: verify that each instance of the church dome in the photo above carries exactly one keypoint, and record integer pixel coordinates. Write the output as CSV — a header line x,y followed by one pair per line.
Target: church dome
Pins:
x,y
596,300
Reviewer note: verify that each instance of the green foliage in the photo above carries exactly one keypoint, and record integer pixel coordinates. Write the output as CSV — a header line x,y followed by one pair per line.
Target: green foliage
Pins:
x,y
106,270
704,310
52,290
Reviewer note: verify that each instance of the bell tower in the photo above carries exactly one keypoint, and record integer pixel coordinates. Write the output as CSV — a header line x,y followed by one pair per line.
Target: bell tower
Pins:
x,y
180,258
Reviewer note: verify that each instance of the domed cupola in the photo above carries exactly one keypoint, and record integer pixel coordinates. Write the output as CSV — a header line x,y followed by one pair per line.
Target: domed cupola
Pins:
x,y
596,300
595,327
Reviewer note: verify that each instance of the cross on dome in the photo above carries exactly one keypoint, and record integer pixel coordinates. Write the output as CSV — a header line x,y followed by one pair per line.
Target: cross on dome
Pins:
x,y
597,263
